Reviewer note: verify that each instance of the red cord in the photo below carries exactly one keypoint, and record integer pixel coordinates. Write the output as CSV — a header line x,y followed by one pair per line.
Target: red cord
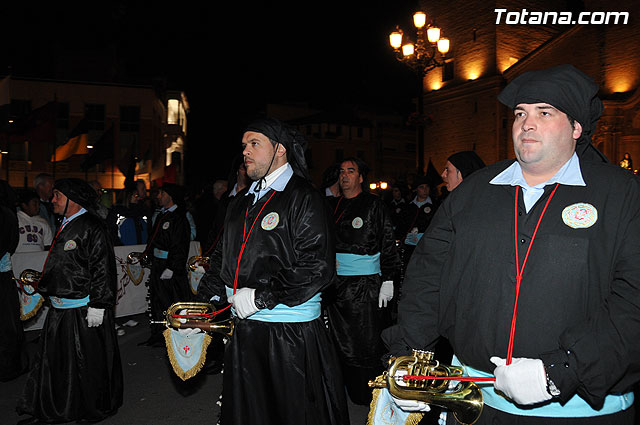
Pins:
x,y
520,271
451,378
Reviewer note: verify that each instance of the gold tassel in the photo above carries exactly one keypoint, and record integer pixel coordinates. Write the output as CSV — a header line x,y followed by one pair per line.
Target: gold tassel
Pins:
x,y
184,375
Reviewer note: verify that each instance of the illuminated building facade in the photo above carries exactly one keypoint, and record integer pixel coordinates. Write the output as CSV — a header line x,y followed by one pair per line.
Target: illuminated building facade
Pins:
x,y
136,130
461,98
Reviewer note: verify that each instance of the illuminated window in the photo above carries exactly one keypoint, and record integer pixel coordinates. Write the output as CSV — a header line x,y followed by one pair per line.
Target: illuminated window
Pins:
x,y
173,113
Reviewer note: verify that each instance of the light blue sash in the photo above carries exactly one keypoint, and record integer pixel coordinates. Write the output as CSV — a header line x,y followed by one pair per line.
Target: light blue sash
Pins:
x,y
158,253
5,263
576,407
69,302
304,312
357,265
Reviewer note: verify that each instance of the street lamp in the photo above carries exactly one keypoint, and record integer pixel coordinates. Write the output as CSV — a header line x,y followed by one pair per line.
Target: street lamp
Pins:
x,y
427,53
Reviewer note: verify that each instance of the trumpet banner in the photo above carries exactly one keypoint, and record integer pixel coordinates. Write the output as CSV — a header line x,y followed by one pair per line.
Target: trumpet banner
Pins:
x,y
383,411
135,271
194,280
29,304
187,354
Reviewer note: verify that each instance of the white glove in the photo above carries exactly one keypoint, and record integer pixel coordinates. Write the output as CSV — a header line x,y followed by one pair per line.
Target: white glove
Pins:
x,y
523,381
166,274
200,270
411,405
244,302
408,405
186,331
95,316
386,293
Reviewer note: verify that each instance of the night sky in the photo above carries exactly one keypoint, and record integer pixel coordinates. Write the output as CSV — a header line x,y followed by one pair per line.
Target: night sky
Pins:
x,y
229,59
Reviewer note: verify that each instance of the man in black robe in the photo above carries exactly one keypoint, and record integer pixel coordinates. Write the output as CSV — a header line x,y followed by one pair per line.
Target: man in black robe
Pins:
x,y
553,233
273,262
416,217
367,264
77,374
168,247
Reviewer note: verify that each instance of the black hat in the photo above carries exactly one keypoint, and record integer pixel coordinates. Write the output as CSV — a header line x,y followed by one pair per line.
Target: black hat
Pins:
x,y
567,89
287,136
79,191
466,162
175,191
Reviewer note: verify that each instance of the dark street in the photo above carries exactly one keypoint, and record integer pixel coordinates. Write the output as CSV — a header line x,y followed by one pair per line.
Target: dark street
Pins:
x,y
153,394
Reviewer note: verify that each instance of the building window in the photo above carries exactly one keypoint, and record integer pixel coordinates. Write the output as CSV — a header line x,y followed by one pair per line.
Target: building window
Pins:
x,y
130,119
447,71
360,132
19,107
62,121
95,116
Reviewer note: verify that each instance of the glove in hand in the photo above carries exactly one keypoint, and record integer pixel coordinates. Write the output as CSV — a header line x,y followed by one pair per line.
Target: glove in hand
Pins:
x,y
166,274
523,381
95,316
186,331
386,293
244,302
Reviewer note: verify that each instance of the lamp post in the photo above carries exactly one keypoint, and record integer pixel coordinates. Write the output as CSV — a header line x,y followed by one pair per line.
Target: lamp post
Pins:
x,y
427,53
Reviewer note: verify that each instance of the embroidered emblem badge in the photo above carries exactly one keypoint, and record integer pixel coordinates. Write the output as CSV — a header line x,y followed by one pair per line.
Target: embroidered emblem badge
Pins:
x,y
165,226
70,245
398,210
270,221
580,215
427,210
357,223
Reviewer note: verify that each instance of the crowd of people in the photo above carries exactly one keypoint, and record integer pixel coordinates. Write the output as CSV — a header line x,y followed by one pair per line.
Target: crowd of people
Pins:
x,y
325,282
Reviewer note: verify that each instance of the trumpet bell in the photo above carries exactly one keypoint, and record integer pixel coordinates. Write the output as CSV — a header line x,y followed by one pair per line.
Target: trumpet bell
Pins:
x,y
198,261
29,277
139,258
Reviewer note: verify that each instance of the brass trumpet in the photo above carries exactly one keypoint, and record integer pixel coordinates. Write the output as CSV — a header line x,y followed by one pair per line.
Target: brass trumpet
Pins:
x,y
29,277
195,309
464,400
139,258
198,260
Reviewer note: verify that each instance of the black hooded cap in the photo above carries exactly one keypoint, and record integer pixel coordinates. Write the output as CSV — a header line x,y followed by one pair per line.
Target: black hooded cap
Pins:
x,y
79,191
566,88
287,136
466,162
175,191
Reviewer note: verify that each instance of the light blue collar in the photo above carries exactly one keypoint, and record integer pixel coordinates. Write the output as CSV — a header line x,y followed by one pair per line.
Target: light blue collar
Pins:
x,y
76,215
569,175
172,208
278,184
419,203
